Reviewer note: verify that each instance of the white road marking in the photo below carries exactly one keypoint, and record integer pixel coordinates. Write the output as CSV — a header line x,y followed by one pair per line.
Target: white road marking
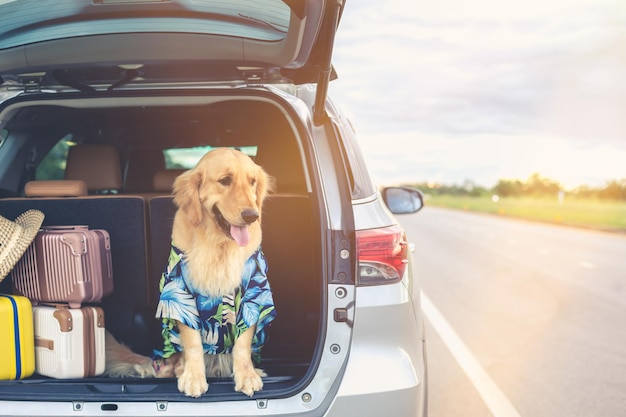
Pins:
x,y
495,400
587,265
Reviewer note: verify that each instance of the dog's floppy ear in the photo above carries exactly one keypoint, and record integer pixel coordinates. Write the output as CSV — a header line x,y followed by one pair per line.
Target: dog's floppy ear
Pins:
x,y
187,195
265,185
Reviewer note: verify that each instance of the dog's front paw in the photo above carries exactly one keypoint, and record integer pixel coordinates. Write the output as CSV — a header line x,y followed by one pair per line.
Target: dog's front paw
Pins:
x,y
192,383
248,381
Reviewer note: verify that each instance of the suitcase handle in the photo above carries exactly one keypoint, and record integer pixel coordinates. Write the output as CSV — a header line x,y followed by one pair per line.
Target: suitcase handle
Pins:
x,y
58,306
64,228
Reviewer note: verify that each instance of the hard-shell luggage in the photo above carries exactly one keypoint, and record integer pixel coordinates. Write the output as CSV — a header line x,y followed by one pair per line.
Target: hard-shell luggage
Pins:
x,y
69,342
69,264
17,350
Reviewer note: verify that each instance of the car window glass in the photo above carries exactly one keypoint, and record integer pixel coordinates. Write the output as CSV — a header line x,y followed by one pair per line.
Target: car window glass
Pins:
x,y
52,166
361,183
266,20
186,158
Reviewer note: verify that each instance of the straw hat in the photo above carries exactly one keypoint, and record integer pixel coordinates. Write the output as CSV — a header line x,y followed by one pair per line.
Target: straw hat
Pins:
x,y
15,237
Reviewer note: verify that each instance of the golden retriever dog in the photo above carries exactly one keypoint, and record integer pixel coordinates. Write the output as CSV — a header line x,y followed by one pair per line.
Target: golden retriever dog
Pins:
x,y
215,299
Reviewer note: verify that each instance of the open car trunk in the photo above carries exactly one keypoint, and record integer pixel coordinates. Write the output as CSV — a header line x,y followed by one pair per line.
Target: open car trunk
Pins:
x,y
139,223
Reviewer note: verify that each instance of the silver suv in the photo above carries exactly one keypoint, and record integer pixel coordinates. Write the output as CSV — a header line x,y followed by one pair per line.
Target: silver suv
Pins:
x,y
159,83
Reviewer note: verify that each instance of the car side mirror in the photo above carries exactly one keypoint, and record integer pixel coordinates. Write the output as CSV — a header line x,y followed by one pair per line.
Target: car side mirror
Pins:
x,y
403,200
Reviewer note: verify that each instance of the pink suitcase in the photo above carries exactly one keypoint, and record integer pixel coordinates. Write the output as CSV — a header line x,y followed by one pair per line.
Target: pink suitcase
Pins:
x,y
17,351
69,264
69,342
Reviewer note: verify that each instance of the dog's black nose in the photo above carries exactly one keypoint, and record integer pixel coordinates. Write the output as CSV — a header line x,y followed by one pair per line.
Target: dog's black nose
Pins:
x,y
249,215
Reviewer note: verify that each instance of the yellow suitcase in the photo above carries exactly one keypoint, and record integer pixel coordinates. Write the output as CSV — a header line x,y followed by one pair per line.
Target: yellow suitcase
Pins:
x,y
17,343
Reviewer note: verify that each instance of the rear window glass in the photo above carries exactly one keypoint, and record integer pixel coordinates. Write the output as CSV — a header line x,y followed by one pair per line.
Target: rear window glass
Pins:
x,y
3,135
186,158
26,22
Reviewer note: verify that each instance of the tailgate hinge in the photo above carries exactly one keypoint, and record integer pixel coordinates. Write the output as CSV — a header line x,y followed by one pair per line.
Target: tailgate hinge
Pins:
x,y
32,81
254,76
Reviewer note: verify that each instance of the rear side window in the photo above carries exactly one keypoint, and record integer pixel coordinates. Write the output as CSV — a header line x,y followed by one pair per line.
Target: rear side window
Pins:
x,y
52,166
361,183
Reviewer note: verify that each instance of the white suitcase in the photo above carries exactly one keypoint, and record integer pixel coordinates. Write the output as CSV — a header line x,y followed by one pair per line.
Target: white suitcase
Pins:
x,y
69,342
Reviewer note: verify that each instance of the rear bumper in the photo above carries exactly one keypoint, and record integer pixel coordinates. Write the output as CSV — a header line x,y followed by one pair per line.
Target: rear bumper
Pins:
x,y
386,372
407,402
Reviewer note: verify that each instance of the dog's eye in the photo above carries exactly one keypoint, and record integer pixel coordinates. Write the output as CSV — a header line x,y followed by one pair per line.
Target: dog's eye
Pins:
x,y
252,181
226,181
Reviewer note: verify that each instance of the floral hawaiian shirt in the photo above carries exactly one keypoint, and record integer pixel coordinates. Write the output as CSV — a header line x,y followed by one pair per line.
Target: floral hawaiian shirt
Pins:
x,y
220,319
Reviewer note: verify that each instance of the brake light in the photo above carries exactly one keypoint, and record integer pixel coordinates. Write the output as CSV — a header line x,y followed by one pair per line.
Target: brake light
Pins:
x,y
382,254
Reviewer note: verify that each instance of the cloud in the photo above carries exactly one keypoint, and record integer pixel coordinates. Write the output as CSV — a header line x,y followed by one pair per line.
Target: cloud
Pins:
x,y
453,73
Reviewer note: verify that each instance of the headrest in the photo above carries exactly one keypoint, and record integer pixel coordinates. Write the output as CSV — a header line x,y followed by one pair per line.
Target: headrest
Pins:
x,y
55,188
163,179
140,168
96,164
285,165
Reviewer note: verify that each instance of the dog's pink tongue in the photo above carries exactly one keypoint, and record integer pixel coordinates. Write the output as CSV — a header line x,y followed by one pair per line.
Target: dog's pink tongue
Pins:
x,y
240,234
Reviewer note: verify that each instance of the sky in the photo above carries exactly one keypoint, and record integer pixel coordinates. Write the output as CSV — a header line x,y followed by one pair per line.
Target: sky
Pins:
x,y
450,91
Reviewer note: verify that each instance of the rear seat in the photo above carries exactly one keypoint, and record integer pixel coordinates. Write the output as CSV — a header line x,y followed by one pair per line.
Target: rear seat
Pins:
x,y
161,210
290,244
140,228
65,203
291,261
140,168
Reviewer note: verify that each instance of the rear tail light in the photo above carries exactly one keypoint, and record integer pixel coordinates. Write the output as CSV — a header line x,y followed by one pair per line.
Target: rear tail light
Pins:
x,y
382,255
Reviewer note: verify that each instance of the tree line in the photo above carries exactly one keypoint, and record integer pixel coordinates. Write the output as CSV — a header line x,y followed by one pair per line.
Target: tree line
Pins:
x,y
534,186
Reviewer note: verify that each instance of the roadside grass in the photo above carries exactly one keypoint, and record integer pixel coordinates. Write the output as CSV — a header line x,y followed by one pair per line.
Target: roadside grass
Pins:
x,y
602,215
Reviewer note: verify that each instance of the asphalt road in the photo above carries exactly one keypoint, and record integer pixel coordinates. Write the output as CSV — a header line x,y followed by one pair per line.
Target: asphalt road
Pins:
x,y
540,309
